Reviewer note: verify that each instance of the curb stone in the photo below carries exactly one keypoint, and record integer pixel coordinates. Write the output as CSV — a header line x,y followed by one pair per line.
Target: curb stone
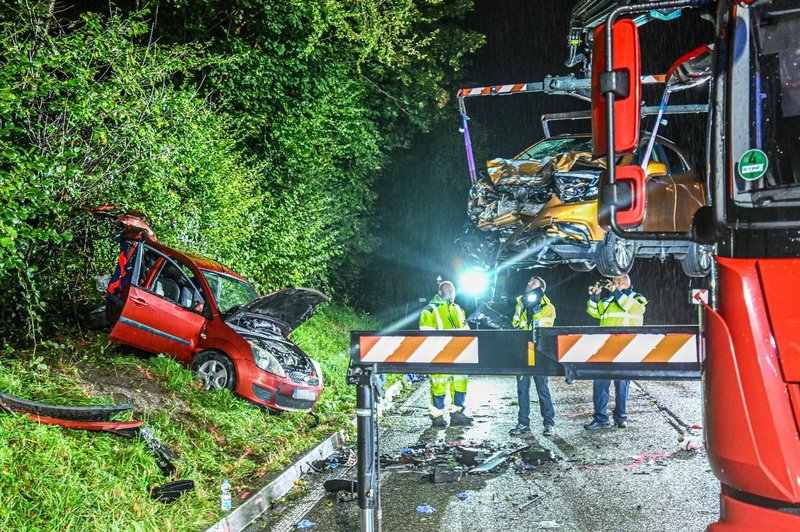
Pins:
x,y
259,503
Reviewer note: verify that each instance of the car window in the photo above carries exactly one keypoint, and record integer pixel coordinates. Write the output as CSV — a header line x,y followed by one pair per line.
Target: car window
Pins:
x,y
655,156
173,281
151,260
675,163
555,147
228,291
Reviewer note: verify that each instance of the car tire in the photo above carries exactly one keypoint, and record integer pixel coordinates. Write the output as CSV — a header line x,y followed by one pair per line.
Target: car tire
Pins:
x,y
615,256
215,369
698,260
581,266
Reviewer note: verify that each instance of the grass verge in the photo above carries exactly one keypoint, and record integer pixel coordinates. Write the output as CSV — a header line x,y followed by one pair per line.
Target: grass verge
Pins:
x,y
59,479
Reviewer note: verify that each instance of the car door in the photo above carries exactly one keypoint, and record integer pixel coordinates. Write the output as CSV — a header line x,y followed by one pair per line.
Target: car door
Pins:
x,y
660,214
690,192
162,312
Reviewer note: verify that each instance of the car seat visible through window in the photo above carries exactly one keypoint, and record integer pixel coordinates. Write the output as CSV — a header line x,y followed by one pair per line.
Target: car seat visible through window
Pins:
x,y
168,289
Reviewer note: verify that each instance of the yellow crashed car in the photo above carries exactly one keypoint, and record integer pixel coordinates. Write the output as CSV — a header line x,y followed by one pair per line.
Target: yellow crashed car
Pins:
x,y
540,209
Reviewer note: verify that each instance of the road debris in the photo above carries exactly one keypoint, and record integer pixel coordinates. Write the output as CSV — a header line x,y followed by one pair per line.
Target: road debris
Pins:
x,y
443,474
643,458
531,499
426,509
305,523
171,491
462,496
690,442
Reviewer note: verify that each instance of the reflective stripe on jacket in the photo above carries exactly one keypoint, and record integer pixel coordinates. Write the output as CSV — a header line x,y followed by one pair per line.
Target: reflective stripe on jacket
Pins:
x,y
441,315
545,317
620,309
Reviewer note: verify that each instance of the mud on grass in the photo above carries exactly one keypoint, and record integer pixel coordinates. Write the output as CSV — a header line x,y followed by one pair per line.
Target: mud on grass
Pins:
x,y
59,479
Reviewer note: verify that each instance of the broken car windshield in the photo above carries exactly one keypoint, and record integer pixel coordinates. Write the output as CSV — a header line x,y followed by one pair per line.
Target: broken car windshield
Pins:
x,y
228,291
555,147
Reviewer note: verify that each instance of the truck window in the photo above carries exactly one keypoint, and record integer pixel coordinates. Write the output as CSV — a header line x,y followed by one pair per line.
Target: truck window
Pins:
x,y
765,120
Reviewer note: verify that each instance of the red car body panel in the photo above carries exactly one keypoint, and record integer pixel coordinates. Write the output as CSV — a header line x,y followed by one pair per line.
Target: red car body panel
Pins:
x,y
751,423
142,325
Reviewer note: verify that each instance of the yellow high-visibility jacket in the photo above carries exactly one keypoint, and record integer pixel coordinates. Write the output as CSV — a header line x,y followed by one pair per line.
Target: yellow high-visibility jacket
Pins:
x,y
619,309
440,315
545,317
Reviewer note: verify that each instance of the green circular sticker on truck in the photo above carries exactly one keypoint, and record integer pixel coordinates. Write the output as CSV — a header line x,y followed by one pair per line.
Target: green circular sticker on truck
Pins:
x,y
753,165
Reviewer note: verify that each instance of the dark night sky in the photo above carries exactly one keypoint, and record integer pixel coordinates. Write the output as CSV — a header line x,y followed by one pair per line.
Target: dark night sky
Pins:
x,y
423,195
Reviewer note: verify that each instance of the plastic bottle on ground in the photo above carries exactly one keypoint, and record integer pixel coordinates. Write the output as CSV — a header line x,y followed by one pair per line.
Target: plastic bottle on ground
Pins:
x,y
225,498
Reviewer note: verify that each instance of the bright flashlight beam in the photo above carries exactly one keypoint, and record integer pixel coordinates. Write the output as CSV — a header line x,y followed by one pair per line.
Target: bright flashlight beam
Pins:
x,y
474,282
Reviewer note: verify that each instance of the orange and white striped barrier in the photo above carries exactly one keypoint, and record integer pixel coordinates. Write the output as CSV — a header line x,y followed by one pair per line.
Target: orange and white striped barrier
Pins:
x,y
493,89
645,348
419,349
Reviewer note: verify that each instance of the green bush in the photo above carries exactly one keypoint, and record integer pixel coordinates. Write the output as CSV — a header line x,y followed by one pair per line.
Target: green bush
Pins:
x,y
258,148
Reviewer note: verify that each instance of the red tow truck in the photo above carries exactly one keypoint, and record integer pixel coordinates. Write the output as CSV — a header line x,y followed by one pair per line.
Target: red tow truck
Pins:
x,y
750,336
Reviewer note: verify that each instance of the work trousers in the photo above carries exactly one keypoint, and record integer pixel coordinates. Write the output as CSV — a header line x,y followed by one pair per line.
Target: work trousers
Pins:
x,y
458,393
602,389
524,398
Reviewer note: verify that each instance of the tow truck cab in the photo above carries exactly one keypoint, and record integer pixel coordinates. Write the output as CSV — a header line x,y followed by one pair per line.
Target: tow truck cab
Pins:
x,y
751,331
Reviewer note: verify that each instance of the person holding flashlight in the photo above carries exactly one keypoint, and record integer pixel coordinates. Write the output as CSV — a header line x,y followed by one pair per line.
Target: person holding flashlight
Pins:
x,y
534,309
622,306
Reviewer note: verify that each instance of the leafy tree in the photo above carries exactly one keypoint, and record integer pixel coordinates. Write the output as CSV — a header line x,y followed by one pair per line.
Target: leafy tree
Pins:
x,y
258,147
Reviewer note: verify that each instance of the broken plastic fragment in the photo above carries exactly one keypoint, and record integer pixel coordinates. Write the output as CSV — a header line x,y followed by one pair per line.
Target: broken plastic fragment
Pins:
x,y
426,509
305,523
462,496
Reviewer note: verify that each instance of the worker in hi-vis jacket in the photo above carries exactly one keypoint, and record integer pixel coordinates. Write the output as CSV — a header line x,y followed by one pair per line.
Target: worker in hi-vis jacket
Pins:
x,y
621,307
442,314
534,309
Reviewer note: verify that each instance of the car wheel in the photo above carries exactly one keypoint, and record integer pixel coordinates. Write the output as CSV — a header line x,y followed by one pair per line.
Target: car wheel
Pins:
x,y
215,369
615,256
697,261
581,266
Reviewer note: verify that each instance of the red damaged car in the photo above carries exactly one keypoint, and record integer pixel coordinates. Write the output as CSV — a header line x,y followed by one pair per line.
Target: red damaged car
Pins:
x,y
211,319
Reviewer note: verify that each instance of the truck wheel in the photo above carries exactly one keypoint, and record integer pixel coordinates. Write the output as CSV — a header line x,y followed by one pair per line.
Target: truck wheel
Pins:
x,y
615,256
581,266
697,261
215,369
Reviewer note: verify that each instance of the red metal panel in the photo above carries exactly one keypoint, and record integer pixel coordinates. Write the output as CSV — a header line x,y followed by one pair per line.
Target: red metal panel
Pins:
x,y
626,110
738,516
751,435
782,295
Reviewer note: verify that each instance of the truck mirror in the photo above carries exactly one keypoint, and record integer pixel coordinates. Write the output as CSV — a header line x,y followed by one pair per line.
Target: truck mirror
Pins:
x,y
627,194
624,81
690,70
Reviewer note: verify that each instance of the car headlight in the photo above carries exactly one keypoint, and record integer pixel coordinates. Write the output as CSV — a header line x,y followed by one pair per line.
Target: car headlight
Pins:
x,y
265,360
318,369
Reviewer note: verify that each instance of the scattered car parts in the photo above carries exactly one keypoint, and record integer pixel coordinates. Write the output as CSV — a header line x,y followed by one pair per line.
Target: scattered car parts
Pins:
x,y
98,418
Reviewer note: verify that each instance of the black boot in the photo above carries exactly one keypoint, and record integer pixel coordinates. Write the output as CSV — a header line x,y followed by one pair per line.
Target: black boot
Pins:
x,y
458,418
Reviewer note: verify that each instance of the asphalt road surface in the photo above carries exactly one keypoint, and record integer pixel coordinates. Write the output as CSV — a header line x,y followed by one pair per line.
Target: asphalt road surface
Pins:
x,y
633,479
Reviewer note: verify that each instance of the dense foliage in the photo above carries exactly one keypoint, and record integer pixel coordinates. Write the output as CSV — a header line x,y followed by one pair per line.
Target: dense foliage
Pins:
x,y
251,132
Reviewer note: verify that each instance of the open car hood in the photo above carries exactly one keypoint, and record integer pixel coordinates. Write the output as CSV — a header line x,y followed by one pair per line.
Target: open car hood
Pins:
x,y
290,306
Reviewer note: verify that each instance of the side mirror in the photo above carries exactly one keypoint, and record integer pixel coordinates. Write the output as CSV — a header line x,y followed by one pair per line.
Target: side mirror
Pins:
x,y
625,82
655,169
627,194
690,70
